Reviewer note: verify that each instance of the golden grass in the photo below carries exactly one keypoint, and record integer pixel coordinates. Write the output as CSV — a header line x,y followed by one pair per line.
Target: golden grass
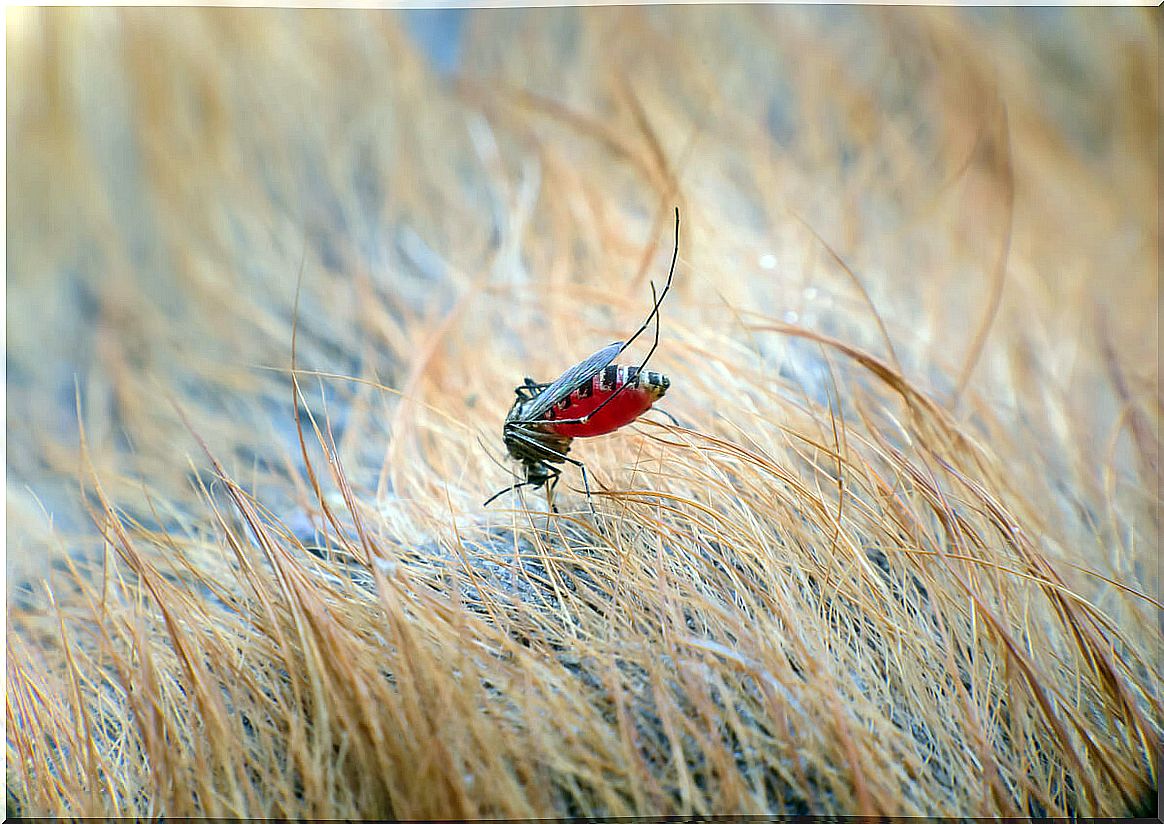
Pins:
x,y
901,556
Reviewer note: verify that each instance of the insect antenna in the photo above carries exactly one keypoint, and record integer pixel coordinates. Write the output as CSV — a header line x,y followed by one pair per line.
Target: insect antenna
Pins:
x,y
657,301
523,436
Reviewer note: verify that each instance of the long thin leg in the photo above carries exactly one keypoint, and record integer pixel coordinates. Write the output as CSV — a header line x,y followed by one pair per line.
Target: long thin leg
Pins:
x,y
666,287
537,446
670,417
586,485
497,495
590,415
551,485
657,301
530,390
528,441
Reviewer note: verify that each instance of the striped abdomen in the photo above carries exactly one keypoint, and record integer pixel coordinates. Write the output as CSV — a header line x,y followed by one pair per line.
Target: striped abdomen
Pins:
x,y
642,390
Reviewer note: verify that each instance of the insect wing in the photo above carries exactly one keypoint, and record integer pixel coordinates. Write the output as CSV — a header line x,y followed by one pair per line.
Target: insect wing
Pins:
x,y
570,380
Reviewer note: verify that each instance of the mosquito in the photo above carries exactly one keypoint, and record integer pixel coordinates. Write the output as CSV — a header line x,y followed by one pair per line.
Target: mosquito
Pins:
x,y
591,398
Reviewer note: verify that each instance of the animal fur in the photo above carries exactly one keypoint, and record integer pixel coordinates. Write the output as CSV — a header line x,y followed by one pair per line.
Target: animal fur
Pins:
x,y
899,557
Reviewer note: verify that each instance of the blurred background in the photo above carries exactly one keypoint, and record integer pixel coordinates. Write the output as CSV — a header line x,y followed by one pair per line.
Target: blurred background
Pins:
x,y
454,183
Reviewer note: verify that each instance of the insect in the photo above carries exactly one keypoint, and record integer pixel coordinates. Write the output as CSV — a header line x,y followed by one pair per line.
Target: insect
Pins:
x,y
591,398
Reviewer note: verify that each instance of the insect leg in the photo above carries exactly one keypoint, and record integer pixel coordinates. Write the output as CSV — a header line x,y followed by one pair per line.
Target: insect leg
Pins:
x,y
666,288
551,485
590,415
656,301
528,441
586,485
670,417
497,495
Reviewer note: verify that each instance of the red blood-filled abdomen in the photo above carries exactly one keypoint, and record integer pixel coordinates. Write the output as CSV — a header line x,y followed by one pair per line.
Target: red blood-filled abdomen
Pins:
x,y
631,402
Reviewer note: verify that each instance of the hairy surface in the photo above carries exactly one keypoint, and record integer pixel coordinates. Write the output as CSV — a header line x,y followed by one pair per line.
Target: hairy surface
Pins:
x,y
900,556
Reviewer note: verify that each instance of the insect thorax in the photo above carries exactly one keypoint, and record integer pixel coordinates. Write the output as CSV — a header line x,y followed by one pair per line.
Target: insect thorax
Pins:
x,y
528,443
